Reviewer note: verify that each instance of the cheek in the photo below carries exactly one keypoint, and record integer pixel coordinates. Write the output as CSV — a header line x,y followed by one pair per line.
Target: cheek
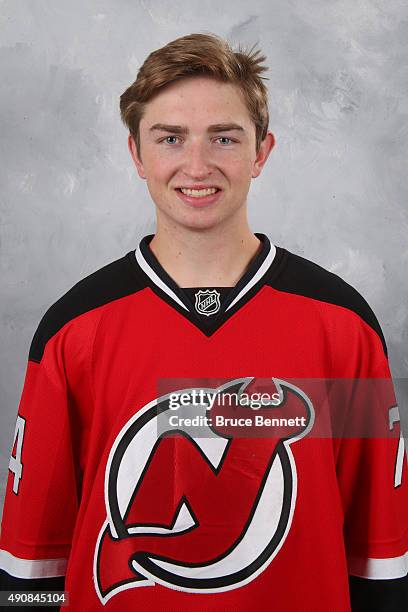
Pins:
x,y
155,160
240,158
158,170
240,168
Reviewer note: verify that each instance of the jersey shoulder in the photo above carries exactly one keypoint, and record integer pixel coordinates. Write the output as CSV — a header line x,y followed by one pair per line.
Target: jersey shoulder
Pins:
x,y
304,277
113,281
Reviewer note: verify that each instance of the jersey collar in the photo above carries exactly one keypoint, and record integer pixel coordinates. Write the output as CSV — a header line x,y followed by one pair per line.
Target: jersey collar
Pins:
x,y
164,286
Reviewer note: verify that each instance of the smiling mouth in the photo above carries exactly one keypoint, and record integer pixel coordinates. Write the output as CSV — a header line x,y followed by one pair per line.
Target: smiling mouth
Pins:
x,y
198,193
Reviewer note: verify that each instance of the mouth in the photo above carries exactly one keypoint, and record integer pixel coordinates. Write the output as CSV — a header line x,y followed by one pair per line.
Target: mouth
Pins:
x,y
198,193
198,197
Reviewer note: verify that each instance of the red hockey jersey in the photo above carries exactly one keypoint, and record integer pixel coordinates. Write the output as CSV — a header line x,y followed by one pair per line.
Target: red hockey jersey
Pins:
x,y
115,486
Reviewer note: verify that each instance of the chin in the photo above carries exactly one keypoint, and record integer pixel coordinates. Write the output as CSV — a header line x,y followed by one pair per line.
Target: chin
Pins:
x,y
200,222
205,219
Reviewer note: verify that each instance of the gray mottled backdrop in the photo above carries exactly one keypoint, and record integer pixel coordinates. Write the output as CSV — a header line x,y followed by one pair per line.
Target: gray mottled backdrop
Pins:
x,y
334,189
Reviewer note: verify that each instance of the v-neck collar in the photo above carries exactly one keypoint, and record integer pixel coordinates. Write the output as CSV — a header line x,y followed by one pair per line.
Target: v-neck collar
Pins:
x,y
166,288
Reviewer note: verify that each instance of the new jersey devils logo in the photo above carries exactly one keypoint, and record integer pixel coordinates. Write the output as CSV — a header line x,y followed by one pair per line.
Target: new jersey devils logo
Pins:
x,y
198,514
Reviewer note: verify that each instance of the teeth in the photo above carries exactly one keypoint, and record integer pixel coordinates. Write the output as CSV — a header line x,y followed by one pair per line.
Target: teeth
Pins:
x,y
198,193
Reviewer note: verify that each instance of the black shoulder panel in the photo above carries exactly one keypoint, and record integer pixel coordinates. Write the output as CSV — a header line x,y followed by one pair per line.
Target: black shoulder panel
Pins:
x,y
369,595
304,277
115,280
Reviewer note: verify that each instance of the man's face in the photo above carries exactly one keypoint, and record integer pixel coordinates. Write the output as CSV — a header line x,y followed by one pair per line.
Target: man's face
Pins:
x,y
197,134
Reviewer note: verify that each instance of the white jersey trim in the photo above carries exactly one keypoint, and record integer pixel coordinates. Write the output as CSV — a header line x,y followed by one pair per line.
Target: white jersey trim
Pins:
x,y
260,272
379,569
155,278
32,568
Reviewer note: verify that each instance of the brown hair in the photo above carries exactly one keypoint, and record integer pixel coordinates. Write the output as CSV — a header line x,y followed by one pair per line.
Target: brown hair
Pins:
x,y
199,54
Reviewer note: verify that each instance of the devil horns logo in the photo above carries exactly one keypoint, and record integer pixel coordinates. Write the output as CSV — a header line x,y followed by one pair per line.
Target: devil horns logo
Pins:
x,y
198,514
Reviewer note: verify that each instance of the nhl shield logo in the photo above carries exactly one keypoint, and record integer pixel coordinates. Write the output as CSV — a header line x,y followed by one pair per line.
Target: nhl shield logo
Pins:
x,y
207,302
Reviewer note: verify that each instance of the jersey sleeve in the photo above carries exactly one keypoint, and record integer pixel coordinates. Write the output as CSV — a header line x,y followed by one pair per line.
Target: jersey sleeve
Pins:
x,y
373,481
42,491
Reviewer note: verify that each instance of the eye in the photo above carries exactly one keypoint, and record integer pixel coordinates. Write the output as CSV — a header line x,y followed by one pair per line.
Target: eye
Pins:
x,y
225,138
167,139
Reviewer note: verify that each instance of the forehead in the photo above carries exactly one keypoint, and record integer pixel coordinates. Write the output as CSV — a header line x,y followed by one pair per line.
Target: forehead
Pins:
x,y
198,98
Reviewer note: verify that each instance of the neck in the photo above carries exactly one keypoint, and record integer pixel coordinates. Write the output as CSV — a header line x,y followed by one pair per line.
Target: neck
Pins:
x,y
217,257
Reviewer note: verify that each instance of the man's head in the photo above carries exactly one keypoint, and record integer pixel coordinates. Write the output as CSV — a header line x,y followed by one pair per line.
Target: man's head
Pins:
x,y
191,85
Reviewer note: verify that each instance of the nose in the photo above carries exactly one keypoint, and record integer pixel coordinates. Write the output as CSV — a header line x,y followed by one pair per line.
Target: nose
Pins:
x,y
197,161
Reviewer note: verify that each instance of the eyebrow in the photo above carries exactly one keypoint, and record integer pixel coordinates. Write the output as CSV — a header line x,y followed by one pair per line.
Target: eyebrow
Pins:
x,y
181,129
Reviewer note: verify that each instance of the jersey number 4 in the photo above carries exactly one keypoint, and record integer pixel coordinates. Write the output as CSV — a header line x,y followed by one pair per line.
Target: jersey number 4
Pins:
x,y
15,464
399,460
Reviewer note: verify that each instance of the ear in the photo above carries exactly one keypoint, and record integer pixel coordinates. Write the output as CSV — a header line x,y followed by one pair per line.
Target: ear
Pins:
x,y
265,148
136,159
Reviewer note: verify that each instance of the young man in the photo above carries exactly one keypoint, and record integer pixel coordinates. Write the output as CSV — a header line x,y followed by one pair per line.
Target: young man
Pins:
x,y
144,498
